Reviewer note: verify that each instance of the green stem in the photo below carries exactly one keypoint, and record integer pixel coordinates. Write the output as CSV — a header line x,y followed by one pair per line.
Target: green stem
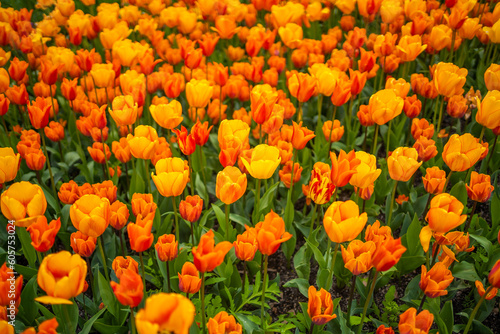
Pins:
x,y
453,38
447,181
393,195
58,207
388,138
351,296
203,175
227,223
331,130
257,199
375,137
368,298
467,225
491,153
143,271
191,177
69,323
421,304
311,228
440,115
174,205
473,314
330,277
103,257
147,179
263,298
132,320
203,321
167,264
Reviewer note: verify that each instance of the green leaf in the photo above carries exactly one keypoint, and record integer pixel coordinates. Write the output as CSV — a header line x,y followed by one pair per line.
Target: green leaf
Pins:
x,y
485,243
106,328
30,308
28,249
137,184
466,271
108,297
317,254
301,283
267,200
460,192
447,315
88,325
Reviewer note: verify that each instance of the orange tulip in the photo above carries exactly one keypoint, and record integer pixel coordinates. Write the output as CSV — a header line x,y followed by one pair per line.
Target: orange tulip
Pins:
x,y
387,253
494,276
123,110
165,312
43,234
23,202
17,69
39,113
206,255
190,208
18,95
225,26
449,79
358,256
479,188
285,173
143,205
50,72
385,105
270,233
130,290
462,152
9,164
302,86
62,276
144,142
140,235
457,106
320,306
223,323
320,186
245,246
445,213
366,171
410,322
403,163
68,193
167,247
435,281
343,222
488,111
301,136
103,75
434,180
231,184
90,215
481,291
121,264
333,133
119,215
189,278
10,289
421,127
341,92
343,167
426,148
262,99
172,176
492,77
291,34
121,150
186,141
412,106
97,152
82,244
55,131
168,116
409,47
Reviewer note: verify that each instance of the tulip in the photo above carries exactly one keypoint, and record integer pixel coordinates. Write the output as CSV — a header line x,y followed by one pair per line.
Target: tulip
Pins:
x,y
121,150
434,180
10,289
270,233
302,86
409,47
198,93
462,152
426,148
23,202
62,276
103,75
231,184
410,322
119,215
225,26
457,106
143,143
245,246
421,127
488,111
39,113
90,215
123,110
291,35
130,290
68,193
43,234
384,330
366,172
320,306
358,256
333,132
434,282
121,264
479,188
449,79
445,213
301,136
385,105
168,116
207,256
201,132
263,162
165,312
492,77
82,244
189,278
285,173
186,141
9,164
190,209
167,247
343,167
320,186
172,175
482,292
222,323
343,222
402,163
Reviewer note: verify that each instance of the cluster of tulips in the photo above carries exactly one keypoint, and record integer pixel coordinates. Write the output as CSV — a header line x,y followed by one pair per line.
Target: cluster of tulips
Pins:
x,y
217,149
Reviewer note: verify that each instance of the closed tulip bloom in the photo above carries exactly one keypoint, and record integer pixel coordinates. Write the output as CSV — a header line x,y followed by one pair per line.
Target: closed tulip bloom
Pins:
x,y
90,215
481,291
384,330
198,93
385,105
445,213
426,148
186,141
435,281
291,35
245,246
43,234
225,26
302,86
343,222
358,256
457,106
190,208
9,164
488,111
320,306
121,264
387,254
263,162
462,152
421,127
333,133
106,189
55,131
270,233
479,188
62,276
189,278
167,247
168,116
119,215
494,276
103,75
377,233
165,312
301,136
18,94
97,153
412,106
231,184
341,92
201,132
144,142
121,150
140,235
403,163
23,202
130,290
320,186
143,204
206,255
68,193
343,167
411,323
366,171
449,79
434,180
492,77
262,99
223,323
82,244
39,112
285,173
123,110
17,69
172,175
440,37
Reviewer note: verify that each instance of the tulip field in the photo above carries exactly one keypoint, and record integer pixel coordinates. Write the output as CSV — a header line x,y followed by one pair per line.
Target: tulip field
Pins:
x,y
249,166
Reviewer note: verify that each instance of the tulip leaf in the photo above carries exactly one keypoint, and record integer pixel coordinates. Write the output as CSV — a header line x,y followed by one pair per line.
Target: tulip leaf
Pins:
x,y
108,297
28,250
317,254
460,192
105,328
266,201
137,184
301,283
88,325
27,272
447,315
28,294
485,243
466,271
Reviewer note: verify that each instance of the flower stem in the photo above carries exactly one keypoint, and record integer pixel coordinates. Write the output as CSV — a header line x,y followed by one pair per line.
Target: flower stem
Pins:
x,y
263,298
351,296
473,314
167,264
421,304
143,271
330,277
393,195
147,179
257,200
203,321
388,139
368,298
447,181
103,257
132,320
227,222
467,225
58,207
440,115
191,177
174,205
69,323
375,137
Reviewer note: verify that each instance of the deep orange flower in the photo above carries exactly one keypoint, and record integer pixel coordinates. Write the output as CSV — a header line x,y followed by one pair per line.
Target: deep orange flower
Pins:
x,y
121,264
445,213
223,323
387,253
245,246
190,208
494,276
385,105
410,322
270,233
119,215
130,290
206,255
302,86
320,186
481,291
421,127
434,180
172,176
39,112
106,189
384,330
35,158
43,234
10,290
492,77
285,173
333,133
17,69
140,235
90,215
262,100
462,152
55,131
167,247
143,204
320,306
4,105
144,142
225,26
189,278
62,276
50,72
23,202
449,79
121,150
412,106
201,131
97,153
82,244
186,141
231,184
208,43
68,193
358,256
435,281
343,222
168,116
479,188
488,111
124,110
403,163
343,167
301,136
457,106
18,94
426,148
